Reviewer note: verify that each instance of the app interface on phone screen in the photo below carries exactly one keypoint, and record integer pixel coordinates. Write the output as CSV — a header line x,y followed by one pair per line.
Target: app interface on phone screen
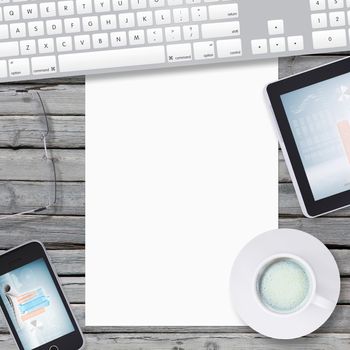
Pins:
x,y
319,116
34,305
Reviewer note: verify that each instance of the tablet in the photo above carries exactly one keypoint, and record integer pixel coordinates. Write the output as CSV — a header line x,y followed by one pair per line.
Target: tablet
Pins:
x,y
312,116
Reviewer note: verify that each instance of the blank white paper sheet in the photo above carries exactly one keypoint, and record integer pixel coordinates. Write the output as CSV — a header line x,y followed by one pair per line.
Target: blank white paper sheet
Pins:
x,y
181,174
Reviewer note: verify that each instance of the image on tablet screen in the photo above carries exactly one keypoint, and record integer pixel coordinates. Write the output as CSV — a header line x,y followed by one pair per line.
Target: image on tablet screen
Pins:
x,y
319,116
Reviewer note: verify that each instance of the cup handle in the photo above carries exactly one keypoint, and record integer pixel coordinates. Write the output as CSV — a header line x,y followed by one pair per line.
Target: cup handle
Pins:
x,y
322,302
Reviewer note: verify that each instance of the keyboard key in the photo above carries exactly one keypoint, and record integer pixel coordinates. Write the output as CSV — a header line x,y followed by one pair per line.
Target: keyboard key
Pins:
x,y
46,45
225,11
90,24
111,59
175,2
102,6
28,47
4,31
276,27
120,5
259,46
11,13
318,5
204,50
181,15
3,69
337,19
30,11
191,32
136,37
84,7
329,39
19,67
9,49
72,25
144,18
66,8
126,20
335,4
108,22
155,35
100,41
64,44
36,28
179,53
18,30
44,65
199,13
221,29
229,48
162,17
319,20
295,43
54,27
277,45
48,9
156,3
118,39
138,4
82,42
173,34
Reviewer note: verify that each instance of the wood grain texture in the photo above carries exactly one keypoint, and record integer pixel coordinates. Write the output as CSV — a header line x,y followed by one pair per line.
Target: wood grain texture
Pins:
x,y
17,196
150,341
58,99
20,131
31,165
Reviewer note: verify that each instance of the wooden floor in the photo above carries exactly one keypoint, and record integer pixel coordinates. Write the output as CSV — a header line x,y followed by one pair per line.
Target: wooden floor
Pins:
x,y
23,184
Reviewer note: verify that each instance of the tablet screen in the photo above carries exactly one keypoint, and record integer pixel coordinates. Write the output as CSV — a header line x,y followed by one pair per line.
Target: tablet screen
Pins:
x,y
319,117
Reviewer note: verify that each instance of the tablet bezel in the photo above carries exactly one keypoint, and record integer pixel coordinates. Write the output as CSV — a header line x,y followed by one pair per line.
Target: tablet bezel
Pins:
x,y
312,208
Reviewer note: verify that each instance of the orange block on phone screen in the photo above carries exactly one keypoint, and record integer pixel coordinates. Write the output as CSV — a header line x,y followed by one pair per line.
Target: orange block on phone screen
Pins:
x,y
344,130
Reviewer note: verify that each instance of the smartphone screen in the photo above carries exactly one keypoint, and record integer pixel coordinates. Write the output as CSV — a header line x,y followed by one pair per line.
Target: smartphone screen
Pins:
x,y
34,305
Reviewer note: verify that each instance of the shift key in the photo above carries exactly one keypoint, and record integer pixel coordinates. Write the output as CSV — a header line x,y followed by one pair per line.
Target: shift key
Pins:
x,y
9,49
220,29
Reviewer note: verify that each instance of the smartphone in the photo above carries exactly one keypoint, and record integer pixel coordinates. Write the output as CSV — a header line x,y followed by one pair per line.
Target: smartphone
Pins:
x,y
32,300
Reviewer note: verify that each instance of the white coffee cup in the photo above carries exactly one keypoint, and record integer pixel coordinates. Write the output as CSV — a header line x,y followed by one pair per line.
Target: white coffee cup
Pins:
x,y
311,297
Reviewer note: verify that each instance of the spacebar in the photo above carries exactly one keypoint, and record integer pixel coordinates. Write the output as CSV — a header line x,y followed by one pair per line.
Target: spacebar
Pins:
x,y
111,58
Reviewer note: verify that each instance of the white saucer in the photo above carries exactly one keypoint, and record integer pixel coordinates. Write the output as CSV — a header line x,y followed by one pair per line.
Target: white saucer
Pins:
x,y
242,284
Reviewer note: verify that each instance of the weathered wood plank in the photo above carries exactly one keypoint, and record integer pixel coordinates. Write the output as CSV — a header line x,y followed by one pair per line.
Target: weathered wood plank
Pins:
x,y
195,341
22,195
25,131
288,202
293,65
66,262
58,100
74,288
31,165
56,232
331,231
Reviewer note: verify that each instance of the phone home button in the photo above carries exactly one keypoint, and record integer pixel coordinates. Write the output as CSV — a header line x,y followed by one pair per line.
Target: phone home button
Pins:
x,y
53,347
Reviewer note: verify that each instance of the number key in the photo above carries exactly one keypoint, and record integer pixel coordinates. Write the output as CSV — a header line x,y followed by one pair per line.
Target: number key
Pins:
x,y
317,5
335,4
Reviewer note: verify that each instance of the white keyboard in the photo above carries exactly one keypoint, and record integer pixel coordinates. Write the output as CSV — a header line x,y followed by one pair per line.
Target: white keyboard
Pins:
x,y
42,39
